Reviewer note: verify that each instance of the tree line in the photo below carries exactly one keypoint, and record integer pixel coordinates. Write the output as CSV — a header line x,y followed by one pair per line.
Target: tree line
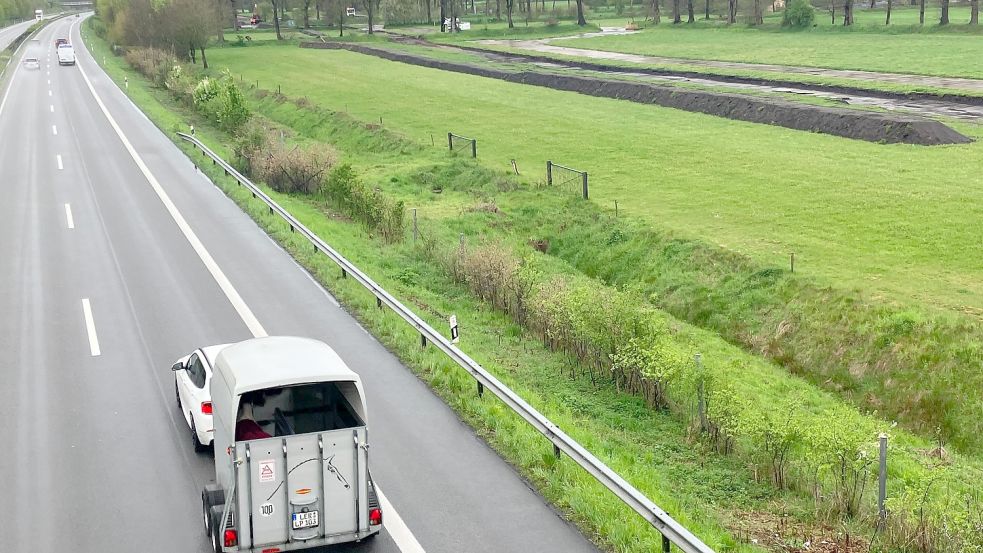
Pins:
x,y
11,10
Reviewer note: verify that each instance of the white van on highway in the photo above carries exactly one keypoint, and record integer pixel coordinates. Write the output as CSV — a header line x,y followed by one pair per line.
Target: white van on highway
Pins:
x,y
66,54
291,447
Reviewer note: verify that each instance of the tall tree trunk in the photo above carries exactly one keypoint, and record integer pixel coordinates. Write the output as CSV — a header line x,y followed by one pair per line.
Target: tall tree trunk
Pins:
x,y
580,13
974,12
509,6
656,12
944,19
689,7
235,16
429,14
832,12
675,12
921,12
498,10
756,15
872,2
888,20
847,12
341,21
191,51
707,12
307,16
443,16
204,62
368,7
276,21
731,11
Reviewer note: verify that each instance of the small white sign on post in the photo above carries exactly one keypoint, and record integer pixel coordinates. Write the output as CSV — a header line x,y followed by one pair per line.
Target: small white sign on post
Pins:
x,y
455,335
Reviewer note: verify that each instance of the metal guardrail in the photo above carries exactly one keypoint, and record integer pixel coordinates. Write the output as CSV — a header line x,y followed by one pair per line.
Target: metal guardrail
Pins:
x,y
672,531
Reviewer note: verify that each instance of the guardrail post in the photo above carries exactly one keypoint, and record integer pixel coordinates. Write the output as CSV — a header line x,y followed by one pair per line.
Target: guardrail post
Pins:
x,y
344,273
481,389
666,544
585,184
450,141
549,172
556,451
474,147
378,302
271,211
423,340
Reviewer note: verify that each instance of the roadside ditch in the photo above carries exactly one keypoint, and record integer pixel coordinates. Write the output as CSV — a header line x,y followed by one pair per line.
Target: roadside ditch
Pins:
x,y
848,123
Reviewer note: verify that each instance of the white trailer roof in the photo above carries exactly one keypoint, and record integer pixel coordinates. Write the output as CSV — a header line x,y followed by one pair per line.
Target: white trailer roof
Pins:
x,y
275,361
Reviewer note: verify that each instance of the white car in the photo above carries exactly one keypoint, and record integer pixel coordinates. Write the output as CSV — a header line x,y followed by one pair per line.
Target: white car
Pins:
x,y
192,377
66,54
32,63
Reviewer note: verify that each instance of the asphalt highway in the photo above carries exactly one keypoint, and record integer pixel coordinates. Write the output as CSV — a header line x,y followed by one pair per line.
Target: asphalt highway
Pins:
x,y
9,33
103,284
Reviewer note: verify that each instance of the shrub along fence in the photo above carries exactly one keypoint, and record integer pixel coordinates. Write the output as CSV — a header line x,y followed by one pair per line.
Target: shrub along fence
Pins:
x,y
616,336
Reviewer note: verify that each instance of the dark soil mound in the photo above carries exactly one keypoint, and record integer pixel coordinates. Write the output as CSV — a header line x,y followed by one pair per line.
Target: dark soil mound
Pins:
x,y
849,123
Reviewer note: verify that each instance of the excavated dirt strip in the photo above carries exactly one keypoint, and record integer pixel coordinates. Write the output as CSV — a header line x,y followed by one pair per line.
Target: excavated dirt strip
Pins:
x,y
862,125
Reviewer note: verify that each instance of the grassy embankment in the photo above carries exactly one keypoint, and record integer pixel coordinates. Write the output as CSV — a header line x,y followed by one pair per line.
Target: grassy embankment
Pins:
x,y
418,279
895,227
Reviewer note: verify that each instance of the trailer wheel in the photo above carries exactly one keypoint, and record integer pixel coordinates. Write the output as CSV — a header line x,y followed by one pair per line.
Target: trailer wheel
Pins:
x,y
206,513
212,494
216,527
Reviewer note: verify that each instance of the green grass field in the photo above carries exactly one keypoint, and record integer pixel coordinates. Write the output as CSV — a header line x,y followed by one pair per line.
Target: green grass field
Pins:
x,y
896,50
900,221
887,226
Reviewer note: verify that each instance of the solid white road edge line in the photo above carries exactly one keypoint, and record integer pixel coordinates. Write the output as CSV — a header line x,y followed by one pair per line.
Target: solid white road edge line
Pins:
x,y
238,304
68,216
397,529
60,164
90,328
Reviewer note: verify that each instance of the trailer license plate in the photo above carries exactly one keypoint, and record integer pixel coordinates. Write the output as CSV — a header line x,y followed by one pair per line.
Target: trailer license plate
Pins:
x,y
305,520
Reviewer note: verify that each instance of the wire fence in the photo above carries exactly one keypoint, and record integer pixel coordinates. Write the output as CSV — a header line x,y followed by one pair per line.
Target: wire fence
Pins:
x,y
563,176
462,141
